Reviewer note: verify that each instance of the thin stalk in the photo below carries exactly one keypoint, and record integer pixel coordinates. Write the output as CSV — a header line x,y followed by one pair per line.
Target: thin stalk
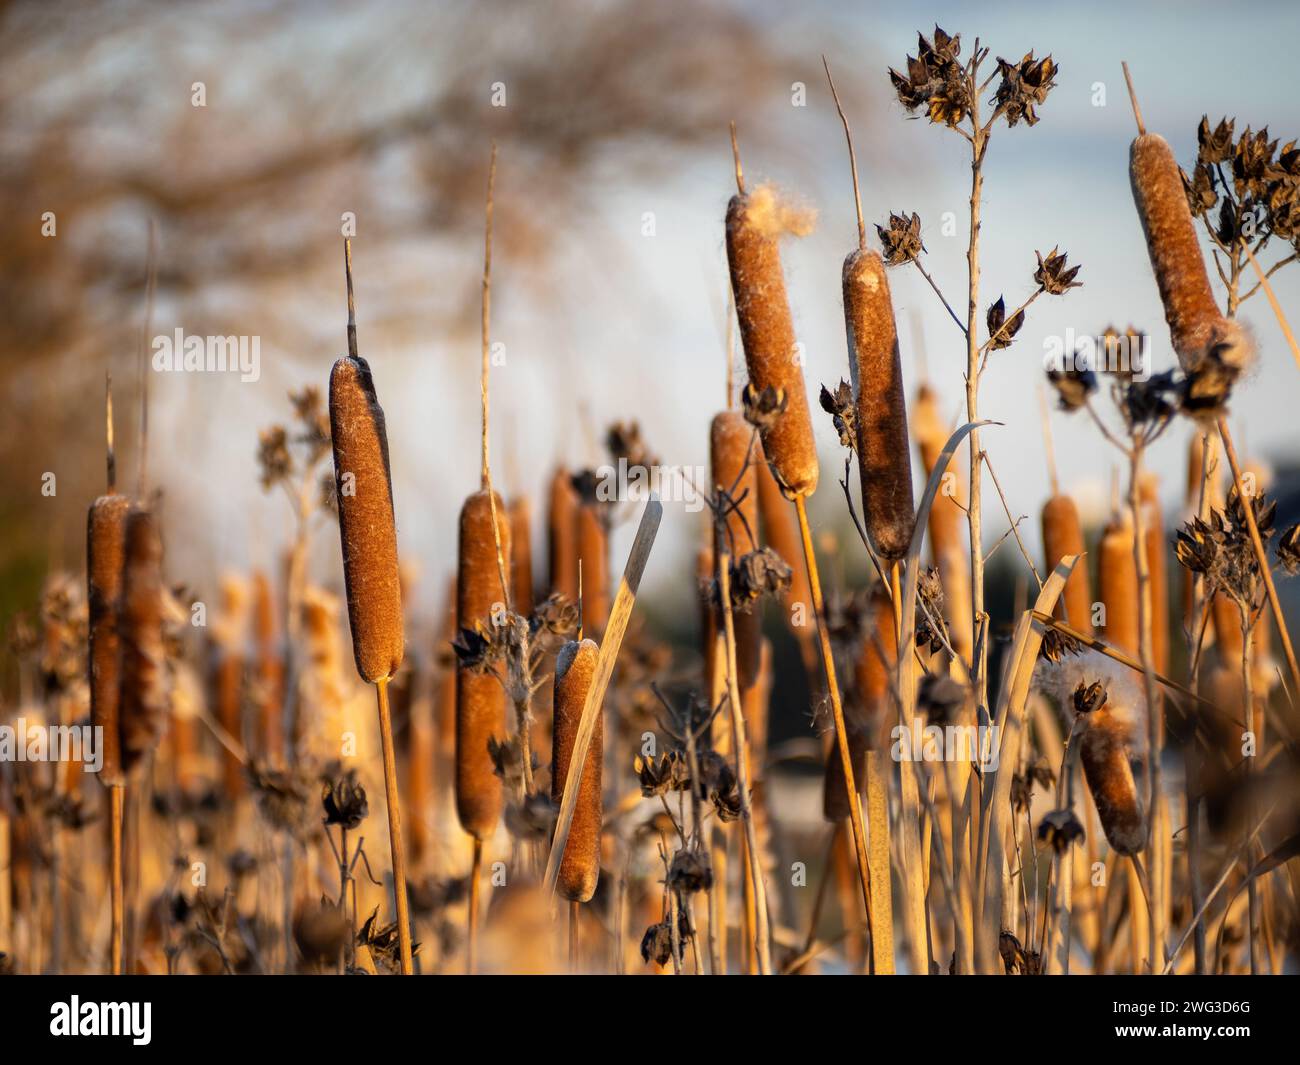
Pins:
x,y
837,708
476,870
394,827
762,935
117,802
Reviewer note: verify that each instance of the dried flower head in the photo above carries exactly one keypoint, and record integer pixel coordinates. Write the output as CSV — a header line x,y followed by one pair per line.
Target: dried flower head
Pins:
x,y
935,80
762,407
841,407
1089,698
1024,86
1001,330
1052,274
1288,551
273,456
690,872
623,440
1060,829
1056,645
659,776
931,629
1073,387
940,697
344,800
901,239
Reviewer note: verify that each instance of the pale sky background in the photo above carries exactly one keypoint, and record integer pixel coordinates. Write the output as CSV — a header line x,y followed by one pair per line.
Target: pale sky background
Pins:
x,y
635,330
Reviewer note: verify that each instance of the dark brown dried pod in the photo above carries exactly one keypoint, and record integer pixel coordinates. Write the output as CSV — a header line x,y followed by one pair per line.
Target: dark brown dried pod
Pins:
x,y
575,666
105,565
884,455
367,527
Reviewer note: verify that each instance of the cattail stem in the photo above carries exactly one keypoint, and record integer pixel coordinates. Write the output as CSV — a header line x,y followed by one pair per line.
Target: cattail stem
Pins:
x,y
1155,711
735,155
117,804
740,745
574,911
1132,98
853,161
1048,450
475,874
394,827
1261,556
151,279
837,708
1248,724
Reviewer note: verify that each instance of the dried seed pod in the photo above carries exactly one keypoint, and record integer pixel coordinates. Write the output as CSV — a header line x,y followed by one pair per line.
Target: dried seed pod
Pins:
x,y
734,469
1104,752
1063,535
480,698
1197,330
562,536
580,866
1117,577
872,671
105,565
755,223
884,457
143,709
949,540
593,550
367,528
521,556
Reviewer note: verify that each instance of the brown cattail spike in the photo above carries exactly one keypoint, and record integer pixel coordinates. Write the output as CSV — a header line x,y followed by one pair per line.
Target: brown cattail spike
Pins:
x,y
144,693
521,556
755,223
1117,576
367,527
1197,330
480,698
580,867
884,457
593,562
1104,752
1063,535
105,565
562,536
733,454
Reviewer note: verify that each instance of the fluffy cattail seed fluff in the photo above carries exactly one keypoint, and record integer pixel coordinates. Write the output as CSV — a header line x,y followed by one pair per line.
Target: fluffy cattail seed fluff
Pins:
x,y
755,223
480,698
884,458
575,667
367,527
105,562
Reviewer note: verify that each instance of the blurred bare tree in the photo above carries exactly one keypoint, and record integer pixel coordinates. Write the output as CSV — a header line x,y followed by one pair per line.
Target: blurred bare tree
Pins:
x,y
310,110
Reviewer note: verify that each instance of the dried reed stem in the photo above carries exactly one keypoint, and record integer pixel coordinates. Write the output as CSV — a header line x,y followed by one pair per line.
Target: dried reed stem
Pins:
x,y
394,827
837,708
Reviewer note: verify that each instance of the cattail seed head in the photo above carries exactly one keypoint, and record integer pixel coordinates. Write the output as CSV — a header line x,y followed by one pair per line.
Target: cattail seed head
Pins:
x,y
580,866
480,698
367,528
733,468
1117,575
884,457
521,556
755,223
143,708
562,536
1197,330
1104,752
1063,535
105,564
593,550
